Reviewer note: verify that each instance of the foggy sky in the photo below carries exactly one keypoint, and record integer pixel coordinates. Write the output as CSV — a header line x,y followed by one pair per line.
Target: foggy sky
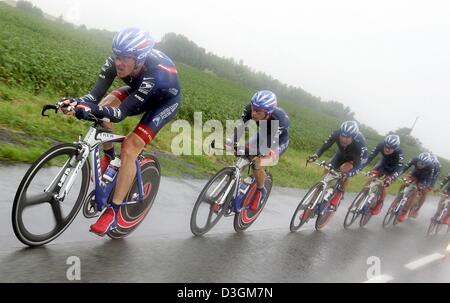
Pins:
x,y
388,60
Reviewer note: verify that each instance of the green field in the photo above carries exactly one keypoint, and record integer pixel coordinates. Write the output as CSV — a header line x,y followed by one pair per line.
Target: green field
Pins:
x,y
41,61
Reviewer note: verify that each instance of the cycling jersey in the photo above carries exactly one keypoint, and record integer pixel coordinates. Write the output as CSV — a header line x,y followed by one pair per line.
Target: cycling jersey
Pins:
x,y
390,164
281,135
355,152
155,91
423,176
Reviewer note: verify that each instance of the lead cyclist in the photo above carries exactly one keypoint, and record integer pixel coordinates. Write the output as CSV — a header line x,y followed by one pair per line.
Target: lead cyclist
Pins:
x,y
152,89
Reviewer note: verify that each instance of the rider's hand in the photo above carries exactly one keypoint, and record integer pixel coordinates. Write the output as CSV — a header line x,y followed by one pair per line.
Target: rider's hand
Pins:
x,y
68,104
421,187
313,158
387,182
82,111
230,145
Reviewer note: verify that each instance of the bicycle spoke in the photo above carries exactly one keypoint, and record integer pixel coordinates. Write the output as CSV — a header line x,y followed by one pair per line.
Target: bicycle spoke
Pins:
x,y
38,199
211,212
57,212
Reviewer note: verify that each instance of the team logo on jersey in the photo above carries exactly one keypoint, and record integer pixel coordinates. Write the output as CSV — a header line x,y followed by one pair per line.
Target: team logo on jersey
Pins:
x,y
146,86
164,114
107,65
174,91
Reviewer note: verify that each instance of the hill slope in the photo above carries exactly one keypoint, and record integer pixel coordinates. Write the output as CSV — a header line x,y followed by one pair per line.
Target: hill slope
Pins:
x,y
41,60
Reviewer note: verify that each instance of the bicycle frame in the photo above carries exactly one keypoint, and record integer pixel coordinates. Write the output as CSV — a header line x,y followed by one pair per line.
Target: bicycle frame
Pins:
x,y
373,187
88,150
406,193
329,177
238,167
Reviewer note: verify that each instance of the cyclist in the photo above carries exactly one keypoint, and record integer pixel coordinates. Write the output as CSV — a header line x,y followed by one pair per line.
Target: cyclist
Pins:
x,y
267,147
434,179
152,89
422,175
390,166
349,159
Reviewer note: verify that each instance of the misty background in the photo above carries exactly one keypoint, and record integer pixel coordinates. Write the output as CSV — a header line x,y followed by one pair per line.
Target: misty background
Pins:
x,y
388,61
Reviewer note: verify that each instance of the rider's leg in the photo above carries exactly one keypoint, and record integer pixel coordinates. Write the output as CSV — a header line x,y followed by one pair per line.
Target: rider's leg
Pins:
x,y
421,200
131,148
259,173
379,203
345,167
260,176
152,122
114,99
411,200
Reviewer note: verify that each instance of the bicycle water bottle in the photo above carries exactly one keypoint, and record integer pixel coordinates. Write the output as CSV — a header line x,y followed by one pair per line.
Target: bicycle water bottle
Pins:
x,y
112,169
243,189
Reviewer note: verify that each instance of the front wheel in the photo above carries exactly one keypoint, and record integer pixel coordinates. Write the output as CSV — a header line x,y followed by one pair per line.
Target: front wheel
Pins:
x,y
325,212
131,216
246,216
353,211
433,228
304,210
207,210
390,214
38,217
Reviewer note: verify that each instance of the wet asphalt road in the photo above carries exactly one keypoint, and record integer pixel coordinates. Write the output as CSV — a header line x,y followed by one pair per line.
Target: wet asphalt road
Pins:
x,y
164,250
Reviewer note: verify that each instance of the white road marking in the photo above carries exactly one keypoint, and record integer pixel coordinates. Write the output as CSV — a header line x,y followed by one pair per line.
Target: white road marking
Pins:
x,y
424,261
380,279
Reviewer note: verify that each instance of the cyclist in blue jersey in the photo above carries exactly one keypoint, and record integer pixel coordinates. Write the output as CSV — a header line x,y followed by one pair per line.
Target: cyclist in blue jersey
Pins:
x,y
422,174
390,166
349,159
152,89
266,147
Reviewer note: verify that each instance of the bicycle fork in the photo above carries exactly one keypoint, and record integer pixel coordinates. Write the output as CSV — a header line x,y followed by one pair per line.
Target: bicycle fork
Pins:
x,y
227,191
64,180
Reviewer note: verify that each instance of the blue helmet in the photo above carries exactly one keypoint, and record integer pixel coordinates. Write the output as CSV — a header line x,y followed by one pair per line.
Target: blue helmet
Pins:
x,y
133,42
426,159
349,129
392,141
266,100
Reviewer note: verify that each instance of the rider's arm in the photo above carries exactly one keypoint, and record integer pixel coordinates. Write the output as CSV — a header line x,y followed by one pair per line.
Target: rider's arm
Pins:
x,y
374,153
360,159
239,130
328,143
408,165
135,103
104,82
400,166
445,181
282,135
